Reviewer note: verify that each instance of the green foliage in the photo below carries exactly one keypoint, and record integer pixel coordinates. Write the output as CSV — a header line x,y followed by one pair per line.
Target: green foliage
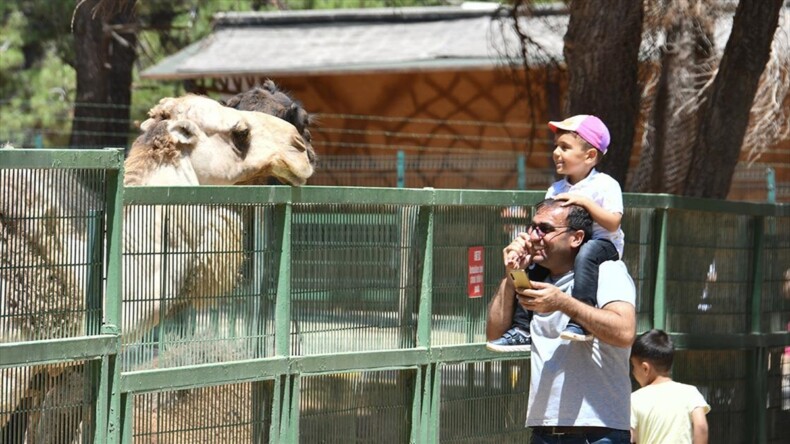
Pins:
x,y
37,81
36,87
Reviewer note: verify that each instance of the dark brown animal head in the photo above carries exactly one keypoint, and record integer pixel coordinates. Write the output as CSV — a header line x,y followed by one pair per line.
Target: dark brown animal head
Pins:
x,y
269,99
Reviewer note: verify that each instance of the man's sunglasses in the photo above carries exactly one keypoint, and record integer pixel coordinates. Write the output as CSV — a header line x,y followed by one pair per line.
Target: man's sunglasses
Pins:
x,y
543,228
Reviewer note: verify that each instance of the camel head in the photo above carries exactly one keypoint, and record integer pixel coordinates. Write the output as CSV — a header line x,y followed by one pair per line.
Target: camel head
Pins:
x,y
269,99
194,140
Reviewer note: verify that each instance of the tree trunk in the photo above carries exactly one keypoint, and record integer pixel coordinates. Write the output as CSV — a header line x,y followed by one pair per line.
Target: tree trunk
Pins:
x,y
104,76
670,132
726,113
601,51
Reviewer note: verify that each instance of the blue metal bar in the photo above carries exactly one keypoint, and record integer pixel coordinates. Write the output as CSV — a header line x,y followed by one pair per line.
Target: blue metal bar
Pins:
x,y
770,185
401,169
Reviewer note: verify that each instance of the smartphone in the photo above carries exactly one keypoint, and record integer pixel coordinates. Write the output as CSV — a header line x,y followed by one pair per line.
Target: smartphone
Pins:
x,y
521,279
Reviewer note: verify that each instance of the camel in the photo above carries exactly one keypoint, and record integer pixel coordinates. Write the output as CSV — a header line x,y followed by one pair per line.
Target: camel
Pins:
x,y
269,99
190,140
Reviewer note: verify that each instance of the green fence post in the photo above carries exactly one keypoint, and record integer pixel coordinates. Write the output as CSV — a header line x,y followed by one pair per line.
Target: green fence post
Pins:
x,y
423,389
113,310
282,310
425,231
659,297
521,166
759,378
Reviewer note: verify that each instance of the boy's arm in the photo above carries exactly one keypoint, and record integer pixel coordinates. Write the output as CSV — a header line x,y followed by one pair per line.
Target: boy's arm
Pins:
x,y
699,426
610,221
634,436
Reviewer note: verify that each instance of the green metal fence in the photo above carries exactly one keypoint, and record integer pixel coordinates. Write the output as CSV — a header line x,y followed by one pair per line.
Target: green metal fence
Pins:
x,y
316,314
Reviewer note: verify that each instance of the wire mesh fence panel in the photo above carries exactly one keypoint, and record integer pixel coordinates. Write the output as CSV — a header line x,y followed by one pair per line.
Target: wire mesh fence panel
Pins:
x,y
355,283
52,403
778,395
484,402
219,414
709,268
776,275
459,307
357,407
51,253
722,378
639,257
199,284
481,170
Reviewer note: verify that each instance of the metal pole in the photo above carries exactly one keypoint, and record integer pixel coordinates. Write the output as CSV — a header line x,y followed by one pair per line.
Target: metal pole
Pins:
x,y
770,185
401,169
659,297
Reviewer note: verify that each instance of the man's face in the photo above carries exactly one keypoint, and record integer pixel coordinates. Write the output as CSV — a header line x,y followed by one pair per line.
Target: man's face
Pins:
x,y
552,240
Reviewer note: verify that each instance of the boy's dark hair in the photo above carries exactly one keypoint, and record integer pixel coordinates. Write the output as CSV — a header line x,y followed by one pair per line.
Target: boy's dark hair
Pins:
x,y
655,347
578,217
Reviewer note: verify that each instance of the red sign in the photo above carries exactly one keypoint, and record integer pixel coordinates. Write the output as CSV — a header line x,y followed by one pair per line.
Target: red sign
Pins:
x,y
475,280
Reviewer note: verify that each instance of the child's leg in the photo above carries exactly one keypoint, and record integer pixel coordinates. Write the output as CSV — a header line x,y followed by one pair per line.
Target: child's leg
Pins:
x,y
585,279
522,317
518,337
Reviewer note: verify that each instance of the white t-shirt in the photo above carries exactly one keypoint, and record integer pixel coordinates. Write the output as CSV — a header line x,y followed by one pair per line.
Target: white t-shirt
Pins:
x,y
581,383
661,413
602,189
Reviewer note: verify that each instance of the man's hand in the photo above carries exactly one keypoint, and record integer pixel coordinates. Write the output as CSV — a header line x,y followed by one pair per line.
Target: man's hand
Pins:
x,y
542,298
518,255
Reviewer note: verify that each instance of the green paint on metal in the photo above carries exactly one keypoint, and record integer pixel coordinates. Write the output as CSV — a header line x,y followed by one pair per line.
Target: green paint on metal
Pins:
x,y
425,230
107,159
114,415
114,248
435,411
127,401
93,290
282,315
57,350
102,397
416,410
276,412
659,301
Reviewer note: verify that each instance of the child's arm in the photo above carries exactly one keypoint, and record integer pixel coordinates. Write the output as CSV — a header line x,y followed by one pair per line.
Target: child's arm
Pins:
x,y
699,426
634,436
610,221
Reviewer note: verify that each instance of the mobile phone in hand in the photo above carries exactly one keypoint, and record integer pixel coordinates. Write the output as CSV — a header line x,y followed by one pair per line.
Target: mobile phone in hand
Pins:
x,y
521,279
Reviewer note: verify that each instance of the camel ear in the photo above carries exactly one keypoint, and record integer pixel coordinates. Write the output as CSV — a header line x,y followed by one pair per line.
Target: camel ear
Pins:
x,y
232,102
147,124
183,131
270,86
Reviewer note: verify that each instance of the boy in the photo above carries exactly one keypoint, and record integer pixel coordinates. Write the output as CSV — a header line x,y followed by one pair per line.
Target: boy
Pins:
x,y
663,411
581,141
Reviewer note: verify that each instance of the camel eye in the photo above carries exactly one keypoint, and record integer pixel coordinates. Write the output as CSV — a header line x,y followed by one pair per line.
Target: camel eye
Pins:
x,y
240,135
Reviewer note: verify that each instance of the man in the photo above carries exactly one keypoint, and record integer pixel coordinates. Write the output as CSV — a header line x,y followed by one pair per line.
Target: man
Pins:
x,y
579,391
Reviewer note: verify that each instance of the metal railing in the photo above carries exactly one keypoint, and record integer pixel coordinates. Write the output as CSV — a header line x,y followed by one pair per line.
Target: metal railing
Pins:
x,y
279,314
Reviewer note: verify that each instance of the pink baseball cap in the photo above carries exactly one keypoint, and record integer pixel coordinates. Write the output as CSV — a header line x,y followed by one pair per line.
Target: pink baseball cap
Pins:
x,y
589,128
